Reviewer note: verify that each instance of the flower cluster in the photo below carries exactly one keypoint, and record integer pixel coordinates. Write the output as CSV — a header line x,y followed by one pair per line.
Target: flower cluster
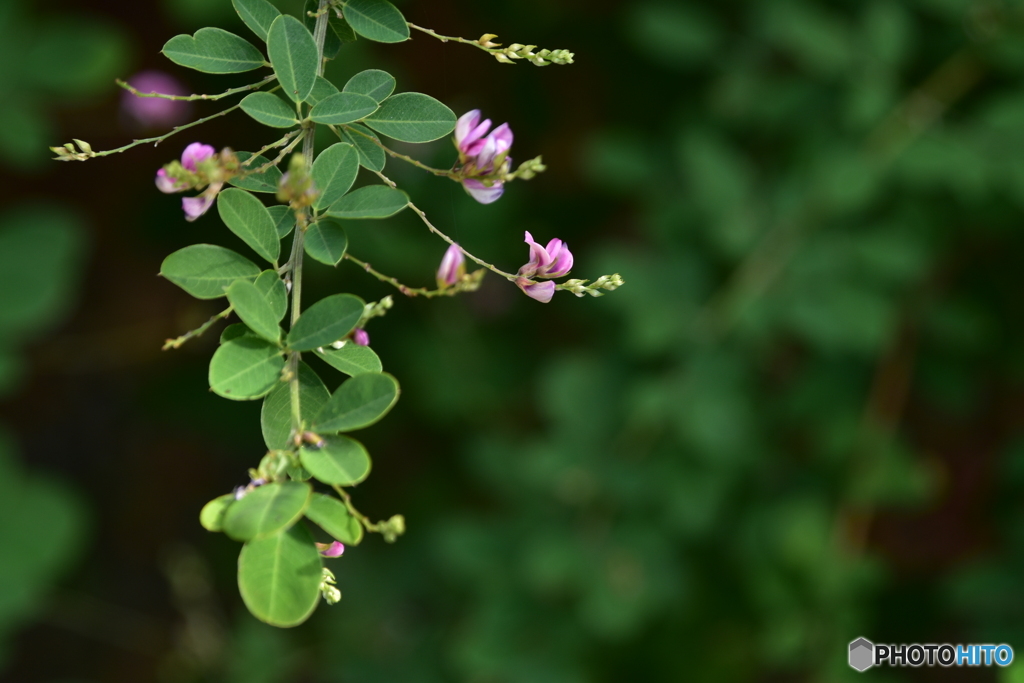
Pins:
x,y
554,260
483,155
200,166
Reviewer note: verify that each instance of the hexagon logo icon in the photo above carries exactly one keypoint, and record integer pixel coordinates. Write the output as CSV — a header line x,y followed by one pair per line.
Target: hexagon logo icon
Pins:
x,y
862,654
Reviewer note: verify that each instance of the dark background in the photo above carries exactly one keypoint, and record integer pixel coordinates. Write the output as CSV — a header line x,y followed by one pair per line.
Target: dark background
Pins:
x,y
798,423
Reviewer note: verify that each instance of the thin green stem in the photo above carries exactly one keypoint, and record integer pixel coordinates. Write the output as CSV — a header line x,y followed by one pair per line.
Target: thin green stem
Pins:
x,y
408,291
280,157
396,155
426,221
445,39
271,146
192,98
363,519
308,150
176,343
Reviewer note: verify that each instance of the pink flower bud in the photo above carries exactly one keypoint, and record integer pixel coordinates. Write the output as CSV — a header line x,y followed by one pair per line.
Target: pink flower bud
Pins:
x,y
335,549
155,112
196,153
167,184
452,267
361,337
482,193
541,291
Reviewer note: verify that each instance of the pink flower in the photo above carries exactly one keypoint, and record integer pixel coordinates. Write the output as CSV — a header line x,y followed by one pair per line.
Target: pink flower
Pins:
x,y
167,184
469,133
482,193
554,260
194,207
361,337
154,111
493,148
541,291
331,550
452,267
195,153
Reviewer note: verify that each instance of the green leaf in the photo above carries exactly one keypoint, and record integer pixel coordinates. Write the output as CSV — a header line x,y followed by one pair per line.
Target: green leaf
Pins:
x,y
293,54
322,89
246,216
352,359
266,510
233,331
326,321
412,117
276,415
359,402
372,201
211,517
258,15
343,29
279,577
284,219
341,461
333,173
245,368
254,310
377,20
272,288
269,109
206,270
331,515
326,242
371,156
214,51
373,83
257,182
345,107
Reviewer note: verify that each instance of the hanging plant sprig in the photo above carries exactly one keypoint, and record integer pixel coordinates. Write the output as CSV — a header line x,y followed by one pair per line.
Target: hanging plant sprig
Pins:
x,y
296,510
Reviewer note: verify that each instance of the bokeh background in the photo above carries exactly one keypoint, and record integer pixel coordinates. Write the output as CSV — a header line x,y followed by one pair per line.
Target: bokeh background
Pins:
x,y
798,423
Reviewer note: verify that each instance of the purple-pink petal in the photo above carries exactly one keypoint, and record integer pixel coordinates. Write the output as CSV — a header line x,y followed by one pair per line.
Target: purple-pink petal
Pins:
x,y
480,192
451,264
195,207
465,124
167,184
335,549
195,153
541,291
539,256
361,337
503,137
561,259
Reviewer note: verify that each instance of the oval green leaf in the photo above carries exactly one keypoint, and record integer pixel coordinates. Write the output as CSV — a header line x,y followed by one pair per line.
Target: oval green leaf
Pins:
x,y
211,517
372,201
371,156
276,415
345,107
266,510
359,402
233,331
255,311
331,515
326,321
258,15
333,173
214,51
377,20
412,117
269,109
326,242
352,359
341,461
246,216
373,83
244,368
284,219
293,55
322,89
279,577
265,181
206,270
272,288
